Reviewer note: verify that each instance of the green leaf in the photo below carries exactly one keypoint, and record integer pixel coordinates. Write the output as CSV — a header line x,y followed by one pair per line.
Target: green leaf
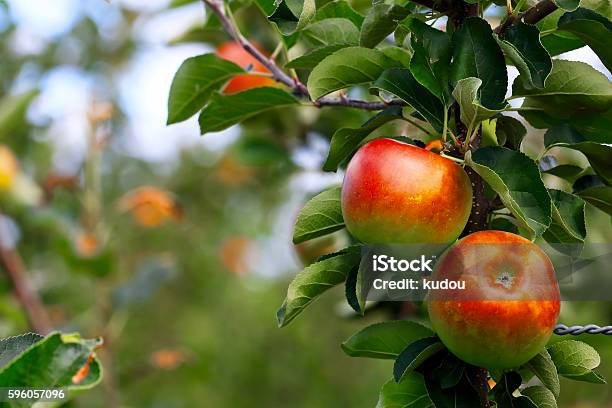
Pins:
x,y
511,130
590,377
385,340
544,368
224,111
516,178
568,212
488,134
194,83
576,360
414,355
568,5
316,279
541,115
598,154
542,397
320,216
592,28
450,372
462,395
339,9
557,42
565,171
331,31
311,59
293,15
266,6
602,7
51,363
503,224
13,109
350,290
401,83
410,393
563,134
600,196
380,21
363,283
521,43
11,347
573,90
466,95
477,54
431,60
285,19
348,67
346,140
504,389
399,54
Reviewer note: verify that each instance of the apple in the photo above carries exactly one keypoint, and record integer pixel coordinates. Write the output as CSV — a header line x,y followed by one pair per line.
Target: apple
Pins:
x,y
235,53
9,167
510,304
394,192
151,206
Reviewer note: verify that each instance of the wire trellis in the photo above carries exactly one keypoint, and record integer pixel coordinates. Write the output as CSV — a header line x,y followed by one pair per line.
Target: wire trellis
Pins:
x,y
563,330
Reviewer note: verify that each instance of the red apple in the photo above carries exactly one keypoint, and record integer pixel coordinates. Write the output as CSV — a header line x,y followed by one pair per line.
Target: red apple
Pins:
x,y
234,52
510,304
394,192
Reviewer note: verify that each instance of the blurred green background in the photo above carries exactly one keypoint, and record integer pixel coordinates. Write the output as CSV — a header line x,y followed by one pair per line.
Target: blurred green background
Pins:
x,y
182,279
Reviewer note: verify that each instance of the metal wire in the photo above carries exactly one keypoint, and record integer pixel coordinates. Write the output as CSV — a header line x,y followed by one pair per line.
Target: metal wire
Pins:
x,y
562,330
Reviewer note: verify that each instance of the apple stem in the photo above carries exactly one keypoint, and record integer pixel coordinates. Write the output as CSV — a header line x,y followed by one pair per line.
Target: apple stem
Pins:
x,y
455,159
277,51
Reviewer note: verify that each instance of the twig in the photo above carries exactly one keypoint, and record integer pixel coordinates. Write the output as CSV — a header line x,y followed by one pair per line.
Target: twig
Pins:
x,y
355,103
27,296
539,11
531,16
217,7
482,387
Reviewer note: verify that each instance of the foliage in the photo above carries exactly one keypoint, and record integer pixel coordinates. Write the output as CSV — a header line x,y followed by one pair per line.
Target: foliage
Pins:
x,y
178,328
450,84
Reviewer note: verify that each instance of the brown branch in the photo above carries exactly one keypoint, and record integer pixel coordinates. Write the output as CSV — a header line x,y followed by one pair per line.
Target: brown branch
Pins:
x,y
27,296
533,15
477,378
539,11
217,7
354,103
